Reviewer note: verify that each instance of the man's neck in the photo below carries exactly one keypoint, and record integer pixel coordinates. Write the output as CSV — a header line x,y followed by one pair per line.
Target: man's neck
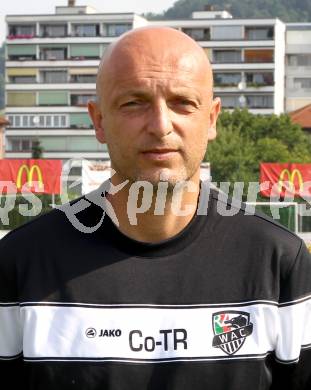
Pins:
x,y
160,221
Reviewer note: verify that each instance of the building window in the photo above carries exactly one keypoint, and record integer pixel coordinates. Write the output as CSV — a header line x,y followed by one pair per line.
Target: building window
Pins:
x,y
226,56
259,33
85,30
198,34
11,120
49,54
220,33
83,50
83,78
55,76
21,57
259,101
227,79
22,31
115,30
81,100
230,101
258,79
259,56
25,144
50,30
22,79
20,145
299,60
15,145
42,121
302,82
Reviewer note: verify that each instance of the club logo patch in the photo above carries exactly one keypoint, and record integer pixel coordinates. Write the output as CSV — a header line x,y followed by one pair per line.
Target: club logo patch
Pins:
x,y
230,330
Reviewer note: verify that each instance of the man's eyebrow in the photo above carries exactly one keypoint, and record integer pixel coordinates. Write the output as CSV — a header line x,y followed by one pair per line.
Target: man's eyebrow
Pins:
x,y
174,93
131,93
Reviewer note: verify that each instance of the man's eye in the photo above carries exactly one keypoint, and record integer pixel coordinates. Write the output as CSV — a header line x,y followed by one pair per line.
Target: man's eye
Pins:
x,y
185,104
131,103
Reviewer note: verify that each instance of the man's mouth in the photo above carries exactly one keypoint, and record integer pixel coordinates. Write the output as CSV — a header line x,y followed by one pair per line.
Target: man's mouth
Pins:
x,y
159,153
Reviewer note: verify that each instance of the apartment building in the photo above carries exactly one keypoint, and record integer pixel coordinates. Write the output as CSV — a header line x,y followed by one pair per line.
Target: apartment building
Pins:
x,y
298,66
51,66
52,60
247,56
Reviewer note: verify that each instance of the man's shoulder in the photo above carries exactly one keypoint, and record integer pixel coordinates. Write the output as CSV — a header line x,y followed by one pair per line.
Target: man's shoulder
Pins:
x,y
36,230
60,223
254,226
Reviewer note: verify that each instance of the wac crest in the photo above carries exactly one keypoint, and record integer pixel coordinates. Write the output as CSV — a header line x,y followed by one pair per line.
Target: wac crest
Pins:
x,y
230,330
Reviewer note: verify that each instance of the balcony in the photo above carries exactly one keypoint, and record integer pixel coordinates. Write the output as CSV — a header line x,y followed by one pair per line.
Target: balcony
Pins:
x,y
21,36
22,80
258,80
227,80
83,79
85,30
116,29
53,31
53,77
22,57
232,101
259,33
23,31
227,56
49,54
198,34
258,56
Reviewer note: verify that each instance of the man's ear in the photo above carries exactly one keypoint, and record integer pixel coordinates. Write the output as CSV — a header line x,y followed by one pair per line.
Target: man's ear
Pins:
x,y
215,110
97,119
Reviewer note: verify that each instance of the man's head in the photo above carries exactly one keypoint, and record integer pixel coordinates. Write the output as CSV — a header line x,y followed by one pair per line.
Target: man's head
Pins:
x,y
155,107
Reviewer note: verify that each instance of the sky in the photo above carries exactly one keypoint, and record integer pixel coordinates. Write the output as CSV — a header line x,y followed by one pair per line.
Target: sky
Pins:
x,y
15,7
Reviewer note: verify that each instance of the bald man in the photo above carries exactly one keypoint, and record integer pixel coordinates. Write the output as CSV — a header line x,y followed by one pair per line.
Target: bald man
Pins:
x,y
166,291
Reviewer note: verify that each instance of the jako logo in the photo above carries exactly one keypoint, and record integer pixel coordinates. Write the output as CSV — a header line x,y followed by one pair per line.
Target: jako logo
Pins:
x,y
91,332
29,175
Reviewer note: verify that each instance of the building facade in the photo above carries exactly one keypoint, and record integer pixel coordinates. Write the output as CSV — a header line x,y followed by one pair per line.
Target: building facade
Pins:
x,y
3,124
51,66
247,56
298,66
52,60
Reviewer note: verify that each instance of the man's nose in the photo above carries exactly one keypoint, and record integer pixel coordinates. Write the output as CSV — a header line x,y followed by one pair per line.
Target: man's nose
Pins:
x,y
160,122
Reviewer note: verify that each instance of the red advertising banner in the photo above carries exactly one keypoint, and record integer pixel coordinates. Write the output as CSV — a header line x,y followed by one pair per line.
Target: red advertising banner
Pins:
x,y
290,178
40,176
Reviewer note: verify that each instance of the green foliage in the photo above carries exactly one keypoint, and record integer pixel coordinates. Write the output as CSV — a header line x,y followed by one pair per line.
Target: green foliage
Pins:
x,y
244,140
15,217
286,10
37,150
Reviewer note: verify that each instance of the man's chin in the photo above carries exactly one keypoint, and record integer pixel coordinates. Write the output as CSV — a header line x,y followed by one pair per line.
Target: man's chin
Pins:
x,y
163,176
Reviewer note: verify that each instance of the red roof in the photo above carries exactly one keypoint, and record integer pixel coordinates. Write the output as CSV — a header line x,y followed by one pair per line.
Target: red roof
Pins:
x,y
302,116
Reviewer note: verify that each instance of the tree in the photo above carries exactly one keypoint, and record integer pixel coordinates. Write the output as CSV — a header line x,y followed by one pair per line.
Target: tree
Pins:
x,y
244,140
286,10
36,150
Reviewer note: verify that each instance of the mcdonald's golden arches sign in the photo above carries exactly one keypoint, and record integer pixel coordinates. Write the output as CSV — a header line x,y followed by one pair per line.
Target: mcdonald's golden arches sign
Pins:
x,y
290,178
40,176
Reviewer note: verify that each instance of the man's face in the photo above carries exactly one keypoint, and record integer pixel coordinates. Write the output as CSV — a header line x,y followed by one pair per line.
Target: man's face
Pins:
x,y
156,112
